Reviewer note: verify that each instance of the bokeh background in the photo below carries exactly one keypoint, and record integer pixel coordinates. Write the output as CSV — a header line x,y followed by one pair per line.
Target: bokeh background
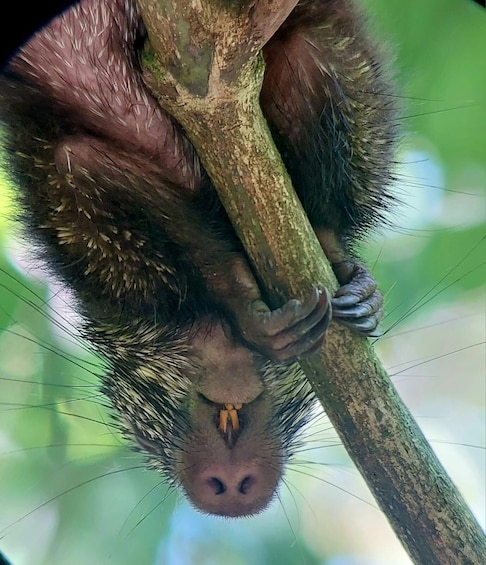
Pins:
x,y
72,493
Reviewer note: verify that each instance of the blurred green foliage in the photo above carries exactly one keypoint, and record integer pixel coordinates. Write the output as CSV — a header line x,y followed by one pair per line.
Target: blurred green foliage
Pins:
x,y
440,68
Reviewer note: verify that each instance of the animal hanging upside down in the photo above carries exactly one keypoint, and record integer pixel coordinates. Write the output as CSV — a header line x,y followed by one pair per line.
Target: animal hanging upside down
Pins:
x,y
203,375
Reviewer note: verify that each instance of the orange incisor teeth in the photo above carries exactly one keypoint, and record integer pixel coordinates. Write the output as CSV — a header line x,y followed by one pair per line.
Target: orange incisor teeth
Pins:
x,y
229,414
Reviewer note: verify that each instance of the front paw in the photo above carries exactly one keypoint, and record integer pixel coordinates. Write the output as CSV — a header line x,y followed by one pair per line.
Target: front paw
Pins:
x,y
287,333
357,304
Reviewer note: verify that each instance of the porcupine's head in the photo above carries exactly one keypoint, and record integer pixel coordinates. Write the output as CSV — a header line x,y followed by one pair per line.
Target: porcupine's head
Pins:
x,y
222,429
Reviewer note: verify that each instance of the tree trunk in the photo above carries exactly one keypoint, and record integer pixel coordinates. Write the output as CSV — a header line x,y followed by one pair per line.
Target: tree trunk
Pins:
x,y
204,66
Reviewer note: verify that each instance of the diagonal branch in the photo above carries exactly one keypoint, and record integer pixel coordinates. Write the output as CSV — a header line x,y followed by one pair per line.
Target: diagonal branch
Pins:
x,y
206,71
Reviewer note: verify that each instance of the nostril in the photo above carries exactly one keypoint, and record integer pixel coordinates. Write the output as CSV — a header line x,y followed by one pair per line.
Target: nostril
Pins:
x,y
230,488
217,486
246,484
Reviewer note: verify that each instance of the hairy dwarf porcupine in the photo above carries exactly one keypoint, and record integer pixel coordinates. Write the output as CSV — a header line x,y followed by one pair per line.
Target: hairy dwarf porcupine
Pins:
x,y
202,374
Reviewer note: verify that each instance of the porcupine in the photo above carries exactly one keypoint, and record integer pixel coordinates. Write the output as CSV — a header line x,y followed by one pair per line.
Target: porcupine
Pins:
x,y
202,374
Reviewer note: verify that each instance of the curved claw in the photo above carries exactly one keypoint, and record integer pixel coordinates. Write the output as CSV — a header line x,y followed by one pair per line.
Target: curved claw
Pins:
x,y
368,307
369,327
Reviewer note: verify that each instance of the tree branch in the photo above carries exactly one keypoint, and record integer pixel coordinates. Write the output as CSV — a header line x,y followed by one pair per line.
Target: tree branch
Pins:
x,y
206,70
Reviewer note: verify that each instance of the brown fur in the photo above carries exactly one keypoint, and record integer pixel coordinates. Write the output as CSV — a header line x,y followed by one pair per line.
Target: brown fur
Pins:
x,y
116,196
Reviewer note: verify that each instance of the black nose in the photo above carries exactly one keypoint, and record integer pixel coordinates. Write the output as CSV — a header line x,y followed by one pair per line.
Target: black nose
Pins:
x,y
218,485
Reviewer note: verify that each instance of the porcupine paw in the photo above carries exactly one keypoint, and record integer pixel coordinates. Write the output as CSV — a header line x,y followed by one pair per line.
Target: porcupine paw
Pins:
x,y
292,331
357,304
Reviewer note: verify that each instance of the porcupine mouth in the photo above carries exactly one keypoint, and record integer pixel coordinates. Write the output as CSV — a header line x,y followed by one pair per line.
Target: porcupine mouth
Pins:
x,y
228,417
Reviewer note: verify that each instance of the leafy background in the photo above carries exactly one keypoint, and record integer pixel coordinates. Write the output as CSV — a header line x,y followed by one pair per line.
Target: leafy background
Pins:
x,y
70,490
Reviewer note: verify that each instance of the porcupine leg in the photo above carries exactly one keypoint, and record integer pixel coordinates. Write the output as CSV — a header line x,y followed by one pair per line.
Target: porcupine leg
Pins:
x,y
157,268
132,244
327,105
